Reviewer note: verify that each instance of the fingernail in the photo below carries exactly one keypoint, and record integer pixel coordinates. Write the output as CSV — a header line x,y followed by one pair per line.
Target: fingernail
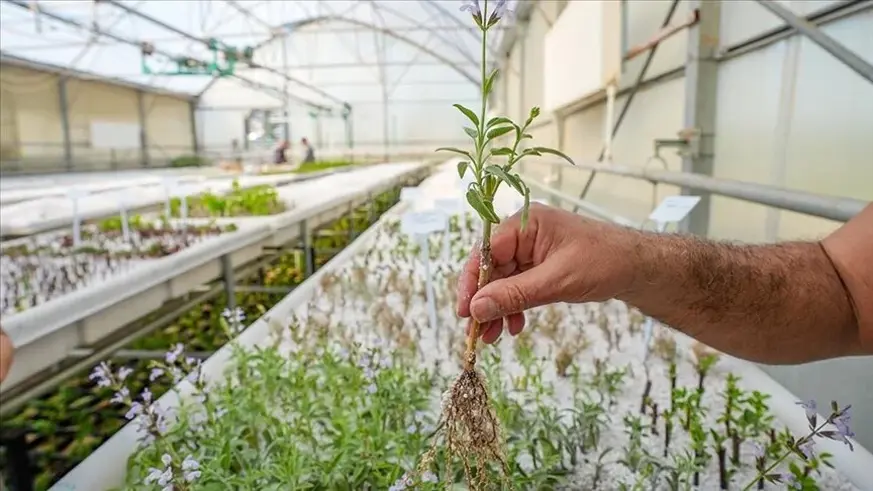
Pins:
x,y
483,309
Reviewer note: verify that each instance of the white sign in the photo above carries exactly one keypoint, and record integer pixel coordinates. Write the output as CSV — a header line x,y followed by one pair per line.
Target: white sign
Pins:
x,y
409,194
452,206
674,209
76,193
115,136
423,222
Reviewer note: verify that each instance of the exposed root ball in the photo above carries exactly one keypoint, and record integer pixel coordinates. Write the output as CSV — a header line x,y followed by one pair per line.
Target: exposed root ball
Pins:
x,y
471,431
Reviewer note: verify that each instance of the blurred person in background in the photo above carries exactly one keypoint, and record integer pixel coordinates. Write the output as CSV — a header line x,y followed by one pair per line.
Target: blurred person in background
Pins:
x,y
279,154
6,354
310,151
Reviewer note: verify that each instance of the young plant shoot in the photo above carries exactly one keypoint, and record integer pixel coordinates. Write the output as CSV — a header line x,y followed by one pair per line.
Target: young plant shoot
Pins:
x,y
468,423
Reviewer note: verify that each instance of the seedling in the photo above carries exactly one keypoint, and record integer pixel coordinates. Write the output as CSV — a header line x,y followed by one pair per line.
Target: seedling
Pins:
x,y
470,428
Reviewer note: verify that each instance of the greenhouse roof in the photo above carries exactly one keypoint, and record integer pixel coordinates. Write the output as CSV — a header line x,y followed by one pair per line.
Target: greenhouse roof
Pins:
x,y
325,47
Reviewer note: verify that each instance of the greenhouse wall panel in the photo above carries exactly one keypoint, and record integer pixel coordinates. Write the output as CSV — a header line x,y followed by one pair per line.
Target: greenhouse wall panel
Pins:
x,y
32,113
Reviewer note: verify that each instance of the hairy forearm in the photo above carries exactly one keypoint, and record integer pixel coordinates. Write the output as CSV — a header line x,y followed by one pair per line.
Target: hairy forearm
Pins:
x,y
775,304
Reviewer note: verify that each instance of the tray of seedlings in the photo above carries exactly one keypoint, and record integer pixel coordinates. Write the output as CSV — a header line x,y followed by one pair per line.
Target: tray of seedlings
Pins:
x,y
262,200
40,268
351,382
62,428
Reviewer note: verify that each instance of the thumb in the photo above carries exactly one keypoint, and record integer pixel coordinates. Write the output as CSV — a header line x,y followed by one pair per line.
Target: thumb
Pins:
x,y
515,294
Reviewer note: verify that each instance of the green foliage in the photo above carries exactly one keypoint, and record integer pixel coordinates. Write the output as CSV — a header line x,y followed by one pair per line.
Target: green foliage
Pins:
x,y
320,165
485,136
254,201
189,161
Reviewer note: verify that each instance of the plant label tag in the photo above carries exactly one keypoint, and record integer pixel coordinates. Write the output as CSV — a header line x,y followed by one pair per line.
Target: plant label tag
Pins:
x,y
674,209
423,222
451,206
76,193
410,194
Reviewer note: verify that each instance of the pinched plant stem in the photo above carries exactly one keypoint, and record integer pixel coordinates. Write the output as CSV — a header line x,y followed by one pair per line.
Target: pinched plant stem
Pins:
x,y
484,278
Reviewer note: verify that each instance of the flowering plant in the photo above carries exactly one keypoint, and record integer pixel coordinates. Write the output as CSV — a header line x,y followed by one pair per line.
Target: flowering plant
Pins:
x,y
468,424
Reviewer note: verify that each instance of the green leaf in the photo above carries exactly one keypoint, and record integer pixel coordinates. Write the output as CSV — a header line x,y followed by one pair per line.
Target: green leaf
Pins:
x,y
469,113
530,151
499,120
505,177
471,132
501,151
455,150
488,83
462,168
554,152
500,131
485,209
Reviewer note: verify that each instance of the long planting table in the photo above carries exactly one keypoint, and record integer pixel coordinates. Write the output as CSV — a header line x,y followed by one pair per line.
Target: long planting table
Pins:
x,y
106,467
153,200
50,333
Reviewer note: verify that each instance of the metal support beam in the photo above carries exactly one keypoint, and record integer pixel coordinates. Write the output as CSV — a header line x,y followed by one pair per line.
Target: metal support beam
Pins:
x,y
229,281
701,84
822,206
264,289
351,222
308,259
195,140
205,42
827,43
63,103
143,128
139,354
641,76
265,88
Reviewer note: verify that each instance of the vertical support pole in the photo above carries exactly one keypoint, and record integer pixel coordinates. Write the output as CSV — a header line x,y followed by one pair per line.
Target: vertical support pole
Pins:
x,y
351,221
371,209
20,468
286,126
783,131
143,132
229,286
192,111
63,102
308,255
701,80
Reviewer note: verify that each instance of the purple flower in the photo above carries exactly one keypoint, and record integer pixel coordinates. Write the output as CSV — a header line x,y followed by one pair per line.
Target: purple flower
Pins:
x,y
429,476
757,450
500,11
134,411
102,374
810,408
790,481
371,389
174,353
123,372
155,374
471,6
807,448
120,396
189,468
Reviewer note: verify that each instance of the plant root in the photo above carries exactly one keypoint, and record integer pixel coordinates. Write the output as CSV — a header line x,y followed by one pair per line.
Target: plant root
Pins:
x,y
471,432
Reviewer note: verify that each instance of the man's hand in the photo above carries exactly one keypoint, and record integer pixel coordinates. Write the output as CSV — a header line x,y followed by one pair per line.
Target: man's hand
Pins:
x,y
559,257
5,355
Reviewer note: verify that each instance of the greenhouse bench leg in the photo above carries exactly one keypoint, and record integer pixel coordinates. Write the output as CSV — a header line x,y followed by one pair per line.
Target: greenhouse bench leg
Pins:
x,y
18,460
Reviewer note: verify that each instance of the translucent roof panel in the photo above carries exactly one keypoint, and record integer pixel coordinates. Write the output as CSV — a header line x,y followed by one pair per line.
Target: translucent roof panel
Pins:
x,y
309,48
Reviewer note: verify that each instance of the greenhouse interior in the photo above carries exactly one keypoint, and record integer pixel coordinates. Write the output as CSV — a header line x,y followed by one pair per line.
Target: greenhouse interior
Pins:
x,y
544,245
